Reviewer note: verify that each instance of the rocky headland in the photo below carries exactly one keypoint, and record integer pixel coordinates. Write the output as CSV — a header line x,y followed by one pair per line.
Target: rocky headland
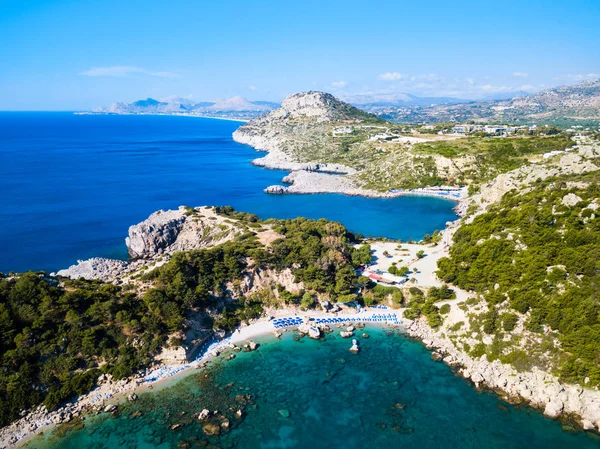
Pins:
x,y
153,241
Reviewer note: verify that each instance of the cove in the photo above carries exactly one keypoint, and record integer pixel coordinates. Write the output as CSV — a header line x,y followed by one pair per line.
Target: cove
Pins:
x,y
71,185
317,394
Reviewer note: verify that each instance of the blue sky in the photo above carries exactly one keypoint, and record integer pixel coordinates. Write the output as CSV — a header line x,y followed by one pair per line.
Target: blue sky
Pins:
x,y
68,55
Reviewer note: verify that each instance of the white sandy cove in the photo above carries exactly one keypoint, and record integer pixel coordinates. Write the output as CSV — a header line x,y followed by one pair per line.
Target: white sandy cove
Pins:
x,y
108,393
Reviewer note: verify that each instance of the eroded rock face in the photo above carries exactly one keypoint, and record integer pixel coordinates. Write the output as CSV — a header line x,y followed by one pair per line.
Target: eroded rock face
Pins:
x,y
157,238
154,234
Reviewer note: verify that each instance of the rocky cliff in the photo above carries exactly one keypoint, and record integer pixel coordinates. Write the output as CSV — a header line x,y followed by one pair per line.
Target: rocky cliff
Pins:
x,y
158,237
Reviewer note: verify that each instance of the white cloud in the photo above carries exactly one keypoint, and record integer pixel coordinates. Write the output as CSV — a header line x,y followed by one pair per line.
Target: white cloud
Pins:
x,y
253,88
526,87
520,74
124,71
578,77
339,84
391,76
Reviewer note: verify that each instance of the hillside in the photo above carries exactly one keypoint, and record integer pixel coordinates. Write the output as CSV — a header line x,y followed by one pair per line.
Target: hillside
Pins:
x,y
564,106
314,131
59,335
532,259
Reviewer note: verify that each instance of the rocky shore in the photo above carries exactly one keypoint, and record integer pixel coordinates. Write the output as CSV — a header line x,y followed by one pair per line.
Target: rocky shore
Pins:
x,y
156,239
311,182
537,388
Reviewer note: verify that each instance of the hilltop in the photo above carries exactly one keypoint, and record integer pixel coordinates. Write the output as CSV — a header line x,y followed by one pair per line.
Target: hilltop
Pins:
x,y
577,104
315,132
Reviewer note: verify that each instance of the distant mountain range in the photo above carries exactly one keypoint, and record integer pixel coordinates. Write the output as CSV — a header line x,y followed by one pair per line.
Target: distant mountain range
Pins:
x,y
562,106
235,107
578,104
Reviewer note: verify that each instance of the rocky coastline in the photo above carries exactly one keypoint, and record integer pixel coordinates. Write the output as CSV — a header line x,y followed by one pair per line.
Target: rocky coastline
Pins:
x,y
153,241
165,232
537,388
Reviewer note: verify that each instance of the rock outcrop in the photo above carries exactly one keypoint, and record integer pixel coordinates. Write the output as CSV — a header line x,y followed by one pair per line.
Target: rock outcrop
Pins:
x,y
178,230
157,238
100,268
153,235
538,388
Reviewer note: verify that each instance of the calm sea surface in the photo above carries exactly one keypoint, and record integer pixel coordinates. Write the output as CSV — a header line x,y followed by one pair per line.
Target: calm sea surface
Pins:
x,y
316,394
71,185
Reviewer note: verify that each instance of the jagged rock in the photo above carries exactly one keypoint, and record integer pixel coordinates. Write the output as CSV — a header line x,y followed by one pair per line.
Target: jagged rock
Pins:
x,y
354,347
162,234
204,415
275,189
346,334
554,408
132,397
314,333
110,408
155,233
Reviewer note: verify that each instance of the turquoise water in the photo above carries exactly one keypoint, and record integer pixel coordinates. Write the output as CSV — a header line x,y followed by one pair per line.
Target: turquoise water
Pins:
x,y
71,185
317,394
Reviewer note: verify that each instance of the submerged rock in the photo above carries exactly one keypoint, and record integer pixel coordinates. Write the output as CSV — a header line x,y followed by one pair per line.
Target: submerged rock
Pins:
x,y
211,429
285,413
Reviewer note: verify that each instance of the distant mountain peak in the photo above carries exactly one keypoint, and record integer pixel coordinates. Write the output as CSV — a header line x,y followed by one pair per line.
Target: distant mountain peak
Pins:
x,y
234,107
238,103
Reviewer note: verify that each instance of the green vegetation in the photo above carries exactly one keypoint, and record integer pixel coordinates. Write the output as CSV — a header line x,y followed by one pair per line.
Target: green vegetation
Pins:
x,y
471,160
493,156
56,338
536,255
53,339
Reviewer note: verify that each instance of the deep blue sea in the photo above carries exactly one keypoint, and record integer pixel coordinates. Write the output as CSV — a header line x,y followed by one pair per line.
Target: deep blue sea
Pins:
x,y
71,185
316,394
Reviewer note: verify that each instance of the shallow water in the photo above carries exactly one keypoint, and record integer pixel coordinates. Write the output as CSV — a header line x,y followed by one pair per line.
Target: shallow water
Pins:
x,y
390,395
71,185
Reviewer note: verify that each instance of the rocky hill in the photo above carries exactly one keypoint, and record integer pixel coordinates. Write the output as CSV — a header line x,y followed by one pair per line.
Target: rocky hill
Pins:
x,y
563,106
315,132
299,134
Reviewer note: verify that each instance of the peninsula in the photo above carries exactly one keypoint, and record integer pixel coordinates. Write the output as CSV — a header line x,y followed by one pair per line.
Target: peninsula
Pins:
x,y
505,293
